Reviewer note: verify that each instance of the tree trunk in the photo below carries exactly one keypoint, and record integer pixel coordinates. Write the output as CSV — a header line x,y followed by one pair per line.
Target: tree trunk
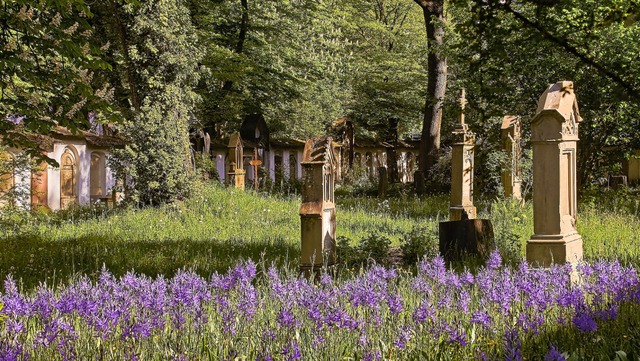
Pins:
x,y
242,36
433,11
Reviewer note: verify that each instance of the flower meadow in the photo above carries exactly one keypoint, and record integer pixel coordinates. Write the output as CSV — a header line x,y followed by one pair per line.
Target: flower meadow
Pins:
x,y
254,312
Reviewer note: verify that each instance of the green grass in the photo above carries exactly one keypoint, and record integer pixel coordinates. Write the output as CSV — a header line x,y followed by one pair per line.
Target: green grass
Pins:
x,y
217,227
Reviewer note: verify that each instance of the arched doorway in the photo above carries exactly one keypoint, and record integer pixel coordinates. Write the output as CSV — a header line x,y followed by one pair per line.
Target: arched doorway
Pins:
x,y
68,178
7,177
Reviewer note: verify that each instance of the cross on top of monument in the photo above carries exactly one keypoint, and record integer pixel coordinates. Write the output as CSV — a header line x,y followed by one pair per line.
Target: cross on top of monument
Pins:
x,y
462,101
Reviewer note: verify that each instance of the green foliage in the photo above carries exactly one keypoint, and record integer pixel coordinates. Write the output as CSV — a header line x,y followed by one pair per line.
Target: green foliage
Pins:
x,y
512,226
50,67
588,42
419,243
205,166
373,248
160,56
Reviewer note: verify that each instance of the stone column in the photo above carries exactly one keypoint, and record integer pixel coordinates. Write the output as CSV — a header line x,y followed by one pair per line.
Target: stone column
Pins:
x,y
510,134
554,137
461,205
318,211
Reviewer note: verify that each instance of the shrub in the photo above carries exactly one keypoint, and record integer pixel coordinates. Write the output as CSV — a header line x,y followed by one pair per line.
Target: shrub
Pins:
x,y
420,242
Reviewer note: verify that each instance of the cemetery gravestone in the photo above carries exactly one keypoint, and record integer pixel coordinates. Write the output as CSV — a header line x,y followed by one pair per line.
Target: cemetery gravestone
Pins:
x,y
461,204
383,182
463,234
554,136
511,176
318,210
235,155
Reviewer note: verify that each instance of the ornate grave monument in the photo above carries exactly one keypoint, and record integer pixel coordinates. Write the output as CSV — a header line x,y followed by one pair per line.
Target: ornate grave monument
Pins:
x,y
511,135
318,210
461,204
554,136
235,157
464,234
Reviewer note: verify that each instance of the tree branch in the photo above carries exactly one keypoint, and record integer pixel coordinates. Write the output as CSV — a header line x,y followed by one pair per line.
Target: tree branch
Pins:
x,y
563,43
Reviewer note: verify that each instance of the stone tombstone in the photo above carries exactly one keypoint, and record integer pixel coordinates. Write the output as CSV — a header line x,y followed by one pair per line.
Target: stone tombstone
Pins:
x,y
554,136
383,181
235,156
511,137
461,204
318,210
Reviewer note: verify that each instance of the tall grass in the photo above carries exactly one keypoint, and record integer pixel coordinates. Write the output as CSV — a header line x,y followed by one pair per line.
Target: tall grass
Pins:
x,y
219,226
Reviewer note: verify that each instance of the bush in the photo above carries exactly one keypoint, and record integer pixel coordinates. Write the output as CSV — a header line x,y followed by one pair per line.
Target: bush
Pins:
x,y
420,242
374,247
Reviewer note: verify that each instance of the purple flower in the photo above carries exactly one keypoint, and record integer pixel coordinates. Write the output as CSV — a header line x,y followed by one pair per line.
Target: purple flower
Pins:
x,y
395,304
513,346
554,355
584,322
286,318
481,318
494,261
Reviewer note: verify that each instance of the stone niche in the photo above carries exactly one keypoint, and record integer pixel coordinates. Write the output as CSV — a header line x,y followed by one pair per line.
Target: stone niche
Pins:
x,y
554,136
318,210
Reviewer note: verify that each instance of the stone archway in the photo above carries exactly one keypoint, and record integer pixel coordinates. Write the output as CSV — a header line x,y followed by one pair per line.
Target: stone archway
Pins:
x,y
68,178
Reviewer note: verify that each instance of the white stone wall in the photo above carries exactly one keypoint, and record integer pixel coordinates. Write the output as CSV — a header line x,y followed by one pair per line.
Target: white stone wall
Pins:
x,y
84,173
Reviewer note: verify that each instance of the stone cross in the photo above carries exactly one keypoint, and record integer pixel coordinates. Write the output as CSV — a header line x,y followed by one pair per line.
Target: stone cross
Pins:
x,y
462,162
554,136
510,134
318,210
462,101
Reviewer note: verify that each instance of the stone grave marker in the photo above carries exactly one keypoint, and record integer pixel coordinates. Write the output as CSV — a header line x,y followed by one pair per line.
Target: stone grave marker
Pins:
x,y
318,210
461,202
235,156
383,181
511,136
554,136
463,234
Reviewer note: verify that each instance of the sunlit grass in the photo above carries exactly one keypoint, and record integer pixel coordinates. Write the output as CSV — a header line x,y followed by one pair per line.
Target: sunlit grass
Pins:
x,y
218,226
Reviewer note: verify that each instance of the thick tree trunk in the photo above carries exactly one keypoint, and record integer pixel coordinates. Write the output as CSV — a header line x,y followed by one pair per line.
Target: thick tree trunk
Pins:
x,y
436,84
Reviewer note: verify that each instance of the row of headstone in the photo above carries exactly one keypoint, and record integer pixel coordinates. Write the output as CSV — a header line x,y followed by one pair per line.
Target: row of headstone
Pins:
x,y
554,140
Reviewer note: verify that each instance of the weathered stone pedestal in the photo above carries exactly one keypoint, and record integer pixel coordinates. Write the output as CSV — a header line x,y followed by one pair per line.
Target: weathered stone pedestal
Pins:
x,y
239,175
235,157
318,211
554,139
510,134
461,202
469,237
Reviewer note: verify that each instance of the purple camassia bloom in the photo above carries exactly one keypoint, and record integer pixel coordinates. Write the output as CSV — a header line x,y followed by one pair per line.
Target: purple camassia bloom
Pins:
x,y
495,260
481,318
513,346
584,322
554,355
